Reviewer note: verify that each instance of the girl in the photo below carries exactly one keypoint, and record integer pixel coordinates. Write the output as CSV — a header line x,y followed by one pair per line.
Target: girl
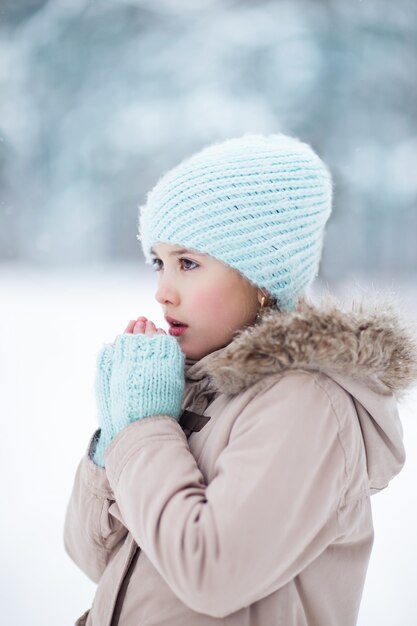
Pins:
x,y
230,480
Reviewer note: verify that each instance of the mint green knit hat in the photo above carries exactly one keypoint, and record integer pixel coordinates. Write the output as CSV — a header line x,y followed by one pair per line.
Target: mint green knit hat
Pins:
x,y
259,203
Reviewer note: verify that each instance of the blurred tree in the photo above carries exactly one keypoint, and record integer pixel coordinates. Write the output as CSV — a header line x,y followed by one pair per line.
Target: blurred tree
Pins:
x,y
13,13
98,99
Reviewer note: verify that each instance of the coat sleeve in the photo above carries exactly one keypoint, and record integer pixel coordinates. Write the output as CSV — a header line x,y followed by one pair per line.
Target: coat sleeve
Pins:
x,y
91,532
270,509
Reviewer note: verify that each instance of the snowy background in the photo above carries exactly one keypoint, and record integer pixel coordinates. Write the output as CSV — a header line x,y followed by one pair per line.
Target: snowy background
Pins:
x,y
51,327
97,99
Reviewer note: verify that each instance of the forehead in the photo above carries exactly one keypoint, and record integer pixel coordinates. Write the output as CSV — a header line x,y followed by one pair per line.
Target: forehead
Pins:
x,y
171,250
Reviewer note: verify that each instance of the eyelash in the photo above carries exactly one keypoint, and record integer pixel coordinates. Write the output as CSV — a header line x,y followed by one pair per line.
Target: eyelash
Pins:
x,y
158,268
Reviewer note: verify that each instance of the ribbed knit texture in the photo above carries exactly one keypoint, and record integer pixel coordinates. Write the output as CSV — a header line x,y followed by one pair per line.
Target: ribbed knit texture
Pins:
x,y
140,377
258,203
102,388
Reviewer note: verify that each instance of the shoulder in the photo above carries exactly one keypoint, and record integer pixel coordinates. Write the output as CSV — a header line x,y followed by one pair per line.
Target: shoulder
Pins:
x,y
294,400
300,401
300,418
311,410
301,386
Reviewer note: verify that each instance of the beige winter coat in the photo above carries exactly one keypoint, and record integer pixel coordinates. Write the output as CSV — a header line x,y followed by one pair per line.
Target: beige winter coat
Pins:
x,y
262,516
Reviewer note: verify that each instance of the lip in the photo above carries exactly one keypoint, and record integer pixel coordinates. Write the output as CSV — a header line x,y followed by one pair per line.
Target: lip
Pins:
x,y
176,331
172,320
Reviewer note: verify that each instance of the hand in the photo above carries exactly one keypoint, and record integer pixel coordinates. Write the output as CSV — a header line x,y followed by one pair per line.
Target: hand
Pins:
x,y
141,325
147,378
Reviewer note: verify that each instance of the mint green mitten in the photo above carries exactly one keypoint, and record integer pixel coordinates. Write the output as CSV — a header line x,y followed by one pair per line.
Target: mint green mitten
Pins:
x,y
147,378
102,389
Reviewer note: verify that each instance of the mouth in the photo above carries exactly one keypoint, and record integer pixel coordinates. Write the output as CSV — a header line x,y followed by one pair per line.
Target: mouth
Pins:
x,y
175,323
176,331
176,328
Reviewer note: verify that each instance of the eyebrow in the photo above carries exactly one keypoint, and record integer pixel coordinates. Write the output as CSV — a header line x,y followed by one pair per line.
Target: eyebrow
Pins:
x,y
175,252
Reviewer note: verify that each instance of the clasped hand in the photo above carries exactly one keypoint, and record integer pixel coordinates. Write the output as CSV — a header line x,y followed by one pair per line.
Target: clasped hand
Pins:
x,y
141,374
143,325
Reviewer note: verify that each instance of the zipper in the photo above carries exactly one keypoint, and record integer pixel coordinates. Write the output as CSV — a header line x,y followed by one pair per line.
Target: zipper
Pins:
x,y
124,585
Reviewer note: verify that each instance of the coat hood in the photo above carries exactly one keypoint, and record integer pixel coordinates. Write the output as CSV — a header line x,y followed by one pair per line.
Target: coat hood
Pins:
x,y
369,350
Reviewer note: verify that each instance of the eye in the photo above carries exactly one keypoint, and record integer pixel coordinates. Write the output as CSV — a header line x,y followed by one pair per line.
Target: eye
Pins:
x,y
157,264
188,268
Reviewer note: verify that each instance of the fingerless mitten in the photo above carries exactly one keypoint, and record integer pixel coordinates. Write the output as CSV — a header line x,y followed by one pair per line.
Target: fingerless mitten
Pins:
x,y
102,389
146,378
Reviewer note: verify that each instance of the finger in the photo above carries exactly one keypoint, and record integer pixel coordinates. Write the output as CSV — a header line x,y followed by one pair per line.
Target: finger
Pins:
x,y
139,327
160,331
130,326
150,328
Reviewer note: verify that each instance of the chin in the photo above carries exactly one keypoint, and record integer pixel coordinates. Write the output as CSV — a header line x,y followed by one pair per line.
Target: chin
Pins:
x,y
202,352
196,353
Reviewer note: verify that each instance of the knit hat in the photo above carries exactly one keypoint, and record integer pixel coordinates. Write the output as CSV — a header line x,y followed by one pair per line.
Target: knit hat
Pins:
x,y
258,203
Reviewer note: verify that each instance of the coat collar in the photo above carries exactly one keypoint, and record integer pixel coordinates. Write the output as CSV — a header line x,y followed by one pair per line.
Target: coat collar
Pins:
x,y
369,343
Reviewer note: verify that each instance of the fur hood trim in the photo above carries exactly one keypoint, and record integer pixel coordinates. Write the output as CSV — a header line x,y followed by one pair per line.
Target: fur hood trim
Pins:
x,y
370,344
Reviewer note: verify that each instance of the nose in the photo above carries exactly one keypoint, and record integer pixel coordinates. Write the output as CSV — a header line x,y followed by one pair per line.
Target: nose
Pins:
x,y
166,292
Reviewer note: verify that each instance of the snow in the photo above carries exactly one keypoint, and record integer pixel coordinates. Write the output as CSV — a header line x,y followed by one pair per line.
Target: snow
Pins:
x,y
52,324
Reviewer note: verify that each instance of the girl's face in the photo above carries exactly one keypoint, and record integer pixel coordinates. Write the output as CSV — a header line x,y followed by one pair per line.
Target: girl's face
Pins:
x,y
211,298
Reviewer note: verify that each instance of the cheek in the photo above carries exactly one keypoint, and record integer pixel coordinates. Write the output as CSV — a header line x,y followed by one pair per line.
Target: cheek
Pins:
x,y
219,309
208,304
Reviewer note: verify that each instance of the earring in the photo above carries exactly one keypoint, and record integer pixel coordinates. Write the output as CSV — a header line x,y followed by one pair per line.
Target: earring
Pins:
x,y
260,310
